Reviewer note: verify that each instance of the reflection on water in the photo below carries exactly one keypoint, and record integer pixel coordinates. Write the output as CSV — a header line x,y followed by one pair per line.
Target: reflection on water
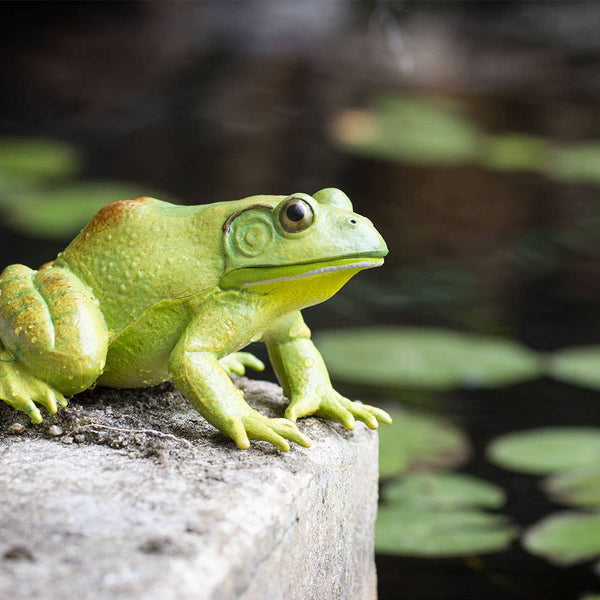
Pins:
x,y
468,132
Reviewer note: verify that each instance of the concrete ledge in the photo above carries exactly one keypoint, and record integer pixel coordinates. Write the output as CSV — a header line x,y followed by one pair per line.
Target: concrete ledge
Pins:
x,y
173,510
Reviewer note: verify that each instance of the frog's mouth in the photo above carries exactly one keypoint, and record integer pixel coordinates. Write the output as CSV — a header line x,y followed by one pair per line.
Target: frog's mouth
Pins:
x,y
257,276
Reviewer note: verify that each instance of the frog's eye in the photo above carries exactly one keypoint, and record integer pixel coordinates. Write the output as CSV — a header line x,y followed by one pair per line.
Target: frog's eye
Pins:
x,y
296,215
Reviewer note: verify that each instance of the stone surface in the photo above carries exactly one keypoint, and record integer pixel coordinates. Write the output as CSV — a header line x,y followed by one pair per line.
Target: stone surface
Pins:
x,y
139,497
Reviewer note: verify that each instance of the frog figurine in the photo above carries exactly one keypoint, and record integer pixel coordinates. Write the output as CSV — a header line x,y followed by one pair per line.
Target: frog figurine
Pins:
x,y
151,291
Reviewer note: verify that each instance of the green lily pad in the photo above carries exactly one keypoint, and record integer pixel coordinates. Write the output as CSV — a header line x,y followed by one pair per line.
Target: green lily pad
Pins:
x,y
409,129
578,163
413,531
444,491
591,597
415,441
547,450
426,358
580,365
426,130
61,212
575,488
516,152
34,160
565,538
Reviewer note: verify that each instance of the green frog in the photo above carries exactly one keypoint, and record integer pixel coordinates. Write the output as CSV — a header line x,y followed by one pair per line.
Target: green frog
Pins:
x,y
151,291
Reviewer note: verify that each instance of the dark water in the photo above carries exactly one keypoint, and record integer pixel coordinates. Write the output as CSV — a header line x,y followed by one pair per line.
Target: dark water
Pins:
x,y
217,101
485,414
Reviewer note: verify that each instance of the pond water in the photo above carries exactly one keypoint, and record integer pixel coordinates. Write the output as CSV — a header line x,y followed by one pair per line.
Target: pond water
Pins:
x,y
469,135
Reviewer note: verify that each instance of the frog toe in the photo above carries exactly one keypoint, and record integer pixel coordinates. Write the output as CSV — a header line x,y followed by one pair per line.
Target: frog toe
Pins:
x,y
51,399
238,361
290,431
371,416
20,399
279,432
335,411
22,390
381,415
33,412
268,434
48,401
61,400
236,431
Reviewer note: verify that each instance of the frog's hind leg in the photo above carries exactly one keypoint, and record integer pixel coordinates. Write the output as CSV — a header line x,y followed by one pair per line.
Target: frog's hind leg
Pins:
x,y
53,338
20,389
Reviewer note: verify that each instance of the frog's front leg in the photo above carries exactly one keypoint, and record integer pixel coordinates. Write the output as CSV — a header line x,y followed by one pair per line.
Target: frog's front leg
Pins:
x,y
304,378
195,370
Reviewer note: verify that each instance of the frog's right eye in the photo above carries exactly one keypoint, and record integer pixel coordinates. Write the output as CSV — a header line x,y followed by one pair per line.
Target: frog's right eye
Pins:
x,y
296,215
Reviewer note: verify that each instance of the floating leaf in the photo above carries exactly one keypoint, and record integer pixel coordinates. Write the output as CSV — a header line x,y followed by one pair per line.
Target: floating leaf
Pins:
x,y
416,441
423,130
591,597
419,532
565,538
437,514
575,488
427,358
33,160
408,129
546,450
577,162
515,152
62,212
444,491
580,366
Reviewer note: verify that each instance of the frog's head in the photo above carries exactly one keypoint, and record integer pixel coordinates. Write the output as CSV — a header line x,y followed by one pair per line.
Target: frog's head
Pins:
x,y
272,241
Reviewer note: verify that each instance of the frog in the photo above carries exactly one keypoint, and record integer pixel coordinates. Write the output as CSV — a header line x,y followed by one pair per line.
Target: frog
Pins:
x,y
151,291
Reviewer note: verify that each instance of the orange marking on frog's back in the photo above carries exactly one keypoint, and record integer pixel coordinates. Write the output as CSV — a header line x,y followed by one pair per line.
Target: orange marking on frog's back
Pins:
x,y
109,217
113,214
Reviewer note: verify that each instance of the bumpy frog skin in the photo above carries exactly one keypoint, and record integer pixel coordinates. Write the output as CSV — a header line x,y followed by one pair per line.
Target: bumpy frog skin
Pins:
x,y
151,291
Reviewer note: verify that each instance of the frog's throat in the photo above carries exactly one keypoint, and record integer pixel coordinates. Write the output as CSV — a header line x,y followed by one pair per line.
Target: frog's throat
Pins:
x,y
257,276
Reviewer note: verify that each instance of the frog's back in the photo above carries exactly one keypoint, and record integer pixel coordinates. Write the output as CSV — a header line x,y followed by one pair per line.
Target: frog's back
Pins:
x,y
137,253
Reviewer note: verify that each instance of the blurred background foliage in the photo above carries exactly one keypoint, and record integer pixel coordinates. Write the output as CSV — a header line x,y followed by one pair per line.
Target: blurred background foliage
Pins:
x,y
39,191
469,132
422,130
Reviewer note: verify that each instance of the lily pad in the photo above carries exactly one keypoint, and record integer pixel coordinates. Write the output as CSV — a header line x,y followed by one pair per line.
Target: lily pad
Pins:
x,y
61,212
580,365
577,162
426,358
428,130
516,152
409,129
416,441
34,160
444,491
575,488
565,538
547,450
412,531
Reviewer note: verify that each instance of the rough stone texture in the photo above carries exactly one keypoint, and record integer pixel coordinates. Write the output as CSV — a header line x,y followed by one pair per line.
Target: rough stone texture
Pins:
x,y
173,510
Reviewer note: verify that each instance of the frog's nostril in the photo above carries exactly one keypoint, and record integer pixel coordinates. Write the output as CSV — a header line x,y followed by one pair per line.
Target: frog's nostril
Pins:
x,y
352,221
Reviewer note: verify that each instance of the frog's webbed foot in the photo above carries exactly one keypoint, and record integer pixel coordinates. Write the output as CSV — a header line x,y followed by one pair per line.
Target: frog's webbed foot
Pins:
x,y
20,389
251,425
328,404
238,361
